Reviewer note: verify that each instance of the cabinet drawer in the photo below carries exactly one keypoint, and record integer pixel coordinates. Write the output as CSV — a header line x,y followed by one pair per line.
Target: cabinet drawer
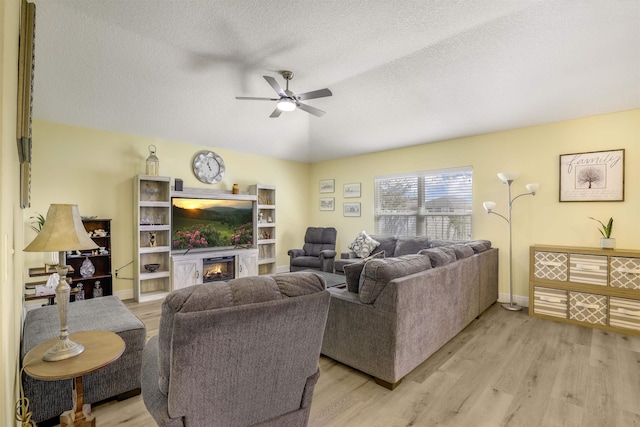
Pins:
x,y
590,308
550,266
624,313
625,273
552,302
590,269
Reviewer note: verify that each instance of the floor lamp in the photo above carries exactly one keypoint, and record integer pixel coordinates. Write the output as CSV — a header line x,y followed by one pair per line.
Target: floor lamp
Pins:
x,y
508,178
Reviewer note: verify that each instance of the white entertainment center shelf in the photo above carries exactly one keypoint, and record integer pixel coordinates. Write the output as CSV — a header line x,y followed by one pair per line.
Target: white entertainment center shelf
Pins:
x,y
178,269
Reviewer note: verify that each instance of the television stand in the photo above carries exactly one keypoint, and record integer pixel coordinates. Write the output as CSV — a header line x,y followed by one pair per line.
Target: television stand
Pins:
x,y
204,267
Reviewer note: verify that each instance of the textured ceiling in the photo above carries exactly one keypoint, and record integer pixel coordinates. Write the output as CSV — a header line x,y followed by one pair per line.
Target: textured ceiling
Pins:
x,y
401,72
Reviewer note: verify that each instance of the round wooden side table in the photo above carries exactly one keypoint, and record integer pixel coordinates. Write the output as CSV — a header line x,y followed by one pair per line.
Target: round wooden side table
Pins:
x,y
100,349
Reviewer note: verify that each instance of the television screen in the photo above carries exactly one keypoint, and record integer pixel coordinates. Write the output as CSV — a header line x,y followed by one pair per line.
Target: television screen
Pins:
x,y
210,223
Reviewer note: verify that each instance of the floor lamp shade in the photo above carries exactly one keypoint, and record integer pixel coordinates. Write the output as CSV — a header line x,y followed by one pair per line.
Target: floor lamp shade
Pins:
x,y
62,231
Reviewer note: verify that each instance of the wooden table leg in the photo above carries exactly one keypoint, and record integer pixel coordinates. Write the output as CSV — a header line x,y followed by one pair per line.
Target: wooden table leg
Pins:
x,y
81,415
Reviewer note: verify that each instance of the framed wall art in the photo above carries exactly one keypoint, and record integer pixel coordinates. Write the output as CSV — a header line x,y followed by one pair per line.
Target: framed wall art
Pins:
x,y
327,186
351,209
351,191
596,176
327,203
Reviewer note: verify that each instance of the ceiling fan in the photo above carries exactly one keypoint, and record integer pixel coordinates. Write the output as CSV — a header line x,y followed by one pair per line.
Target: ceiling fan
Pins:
x,y
289,101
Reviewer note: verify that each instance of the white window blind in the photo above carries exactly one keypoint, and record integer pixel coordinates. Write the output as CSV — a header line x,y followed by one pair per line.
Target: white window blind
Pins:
x,y
435,204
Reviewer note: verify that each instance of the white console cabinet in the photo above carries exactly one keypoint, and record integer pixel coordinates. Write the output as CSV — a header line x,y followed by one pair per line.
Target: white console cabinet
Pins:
x,y
190,269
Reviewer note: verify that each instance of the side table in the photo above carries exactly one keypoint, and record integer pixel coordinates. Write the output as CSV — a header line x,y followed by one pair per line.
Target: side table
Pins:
x,y
100,349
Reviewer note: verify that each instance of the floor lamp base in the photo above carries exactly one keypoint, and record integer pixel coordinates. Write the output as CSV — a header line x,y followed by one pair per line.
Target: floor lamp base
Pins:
x,y
512,307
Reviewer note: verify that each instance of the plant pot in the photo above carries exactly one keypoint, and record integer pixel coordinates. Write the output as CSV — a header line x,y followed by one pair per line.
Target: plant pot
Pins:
x,y
609,243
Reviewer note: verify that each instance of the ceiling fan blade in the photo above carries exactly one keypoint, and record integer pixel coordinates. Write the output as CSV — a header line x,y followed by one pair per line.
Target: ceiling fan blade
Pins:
x,y
274,84
257,99
314,94
276,113
309,109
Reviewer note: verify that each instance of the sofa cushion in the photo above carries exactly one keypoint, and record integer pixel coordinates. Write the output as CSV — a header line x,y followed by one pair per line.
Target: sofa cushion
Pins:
x,y
353,271
209,296
378,272
411,245
462,251
439,256
387,244
479,245
363,245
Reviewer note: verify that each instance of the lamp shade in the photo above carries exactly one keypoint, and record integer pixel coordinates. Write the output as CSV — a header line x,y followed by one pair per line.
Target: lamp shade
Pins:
x,y
488,206
508,176
533,187
62,231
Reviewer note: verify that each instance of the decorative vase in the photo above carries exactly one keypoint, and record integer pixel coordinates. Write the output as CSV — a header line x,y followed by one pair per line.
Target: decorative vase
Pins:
x,y
87,268
607,243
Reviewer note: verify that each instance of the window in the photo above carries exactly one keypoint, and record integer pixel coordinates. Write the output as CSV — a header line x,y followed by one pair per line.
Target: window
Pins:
x,y
434,204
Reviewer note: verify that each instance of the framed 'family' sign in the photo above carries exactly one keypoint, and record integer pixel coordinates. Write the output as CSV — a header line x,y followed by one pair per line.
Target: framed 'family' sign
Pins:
x,y
596,176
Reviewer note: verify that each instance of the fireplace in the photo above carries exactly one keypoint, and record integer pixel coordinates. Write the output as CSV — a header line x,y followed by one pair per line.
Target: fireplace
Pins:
x,y
217,269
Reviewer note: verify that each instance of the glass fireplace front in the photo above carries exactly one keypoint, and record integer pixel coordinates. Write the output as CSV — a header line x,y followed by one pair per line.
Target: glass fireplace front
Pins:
x,y
218,269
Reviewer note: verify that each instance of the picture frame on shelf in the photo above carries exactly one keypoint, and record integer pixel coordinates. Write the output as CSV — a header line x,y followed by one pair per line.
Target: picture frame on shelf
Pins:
x,y
592,176
327,186
327,203
351,209
351,191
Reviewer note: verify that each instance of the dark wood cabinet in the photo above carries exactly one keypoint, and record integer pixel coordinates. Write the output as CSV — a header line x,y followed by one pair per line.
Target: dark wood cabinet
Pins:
x,y
100,232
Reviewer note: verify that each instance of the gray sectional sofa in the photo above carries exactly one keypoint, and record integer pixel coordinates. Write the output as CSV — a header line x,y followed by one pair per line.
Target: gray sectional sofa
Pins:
x,y
406,307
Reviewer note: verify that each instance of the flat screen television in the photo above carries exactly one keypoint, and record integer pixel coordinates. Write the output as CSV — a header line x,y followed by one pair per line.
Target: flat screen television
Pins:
x,y
206,224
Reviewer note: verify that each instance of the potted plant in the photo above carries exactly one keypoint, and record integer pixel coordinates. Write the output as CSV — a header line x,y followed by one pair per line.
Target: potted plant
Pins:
x,y
606,241
51,259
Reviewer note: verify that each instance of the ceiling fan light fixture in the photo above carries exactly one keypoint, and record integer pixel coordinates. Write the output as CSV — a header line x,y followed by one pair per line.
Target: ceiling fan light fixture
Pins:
x,y
286,104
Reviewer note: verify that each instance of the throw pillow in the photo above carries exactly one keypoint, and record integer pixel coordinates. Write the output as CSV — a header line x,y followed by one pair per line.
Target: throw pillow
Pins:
x,y
352,272
363,245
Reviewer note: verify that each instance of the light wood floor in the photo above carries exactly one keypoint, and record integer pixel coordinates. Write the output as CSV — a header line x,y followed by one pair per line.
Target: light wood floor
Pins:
x,y
505,369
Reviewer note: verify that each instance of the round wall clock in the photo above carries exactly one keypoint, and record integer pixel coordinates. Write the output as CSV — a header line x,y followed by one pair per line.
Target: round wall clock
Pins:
x,y
208,167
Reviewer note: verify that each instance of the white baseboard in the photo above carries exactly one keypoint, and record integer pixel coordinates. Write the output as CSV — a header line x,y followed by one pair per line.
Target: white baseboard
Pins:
x,y
520,300
282,269
125,294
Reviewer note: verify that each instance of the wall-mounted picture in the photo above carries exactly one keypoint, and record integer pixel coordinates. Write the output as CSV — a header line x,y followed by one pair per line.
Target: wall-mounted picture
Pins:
x,y
327,186
351,209
351,190
327,203
594,176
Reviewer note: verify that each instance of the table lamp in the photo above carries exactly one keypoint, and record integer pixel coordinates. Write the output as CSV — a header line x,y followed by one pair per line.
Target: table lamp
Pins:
x,y
62,231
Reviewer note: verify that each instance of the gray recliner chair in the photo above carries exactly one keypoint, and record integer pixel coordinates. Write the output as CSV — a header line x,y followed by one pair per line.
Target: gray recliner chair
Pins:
x,y
318,251
237,353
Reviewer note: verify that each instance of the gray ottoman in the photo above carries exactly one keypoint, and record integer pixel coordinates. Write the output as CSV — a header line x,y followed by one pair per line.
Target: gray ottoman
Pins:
x,y
48,399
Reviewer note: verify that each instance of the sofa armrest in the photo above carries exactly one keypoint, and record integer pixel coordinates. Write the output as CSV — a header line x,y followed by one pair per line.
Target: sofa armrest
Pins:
x,y
328,253
156,402
294,253
326,260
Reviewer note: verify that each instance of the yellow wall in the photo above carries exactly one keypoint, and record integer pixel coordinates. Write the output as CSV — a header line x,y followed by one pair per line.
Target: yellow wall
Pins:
x,y
534,153
10,260
95,169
